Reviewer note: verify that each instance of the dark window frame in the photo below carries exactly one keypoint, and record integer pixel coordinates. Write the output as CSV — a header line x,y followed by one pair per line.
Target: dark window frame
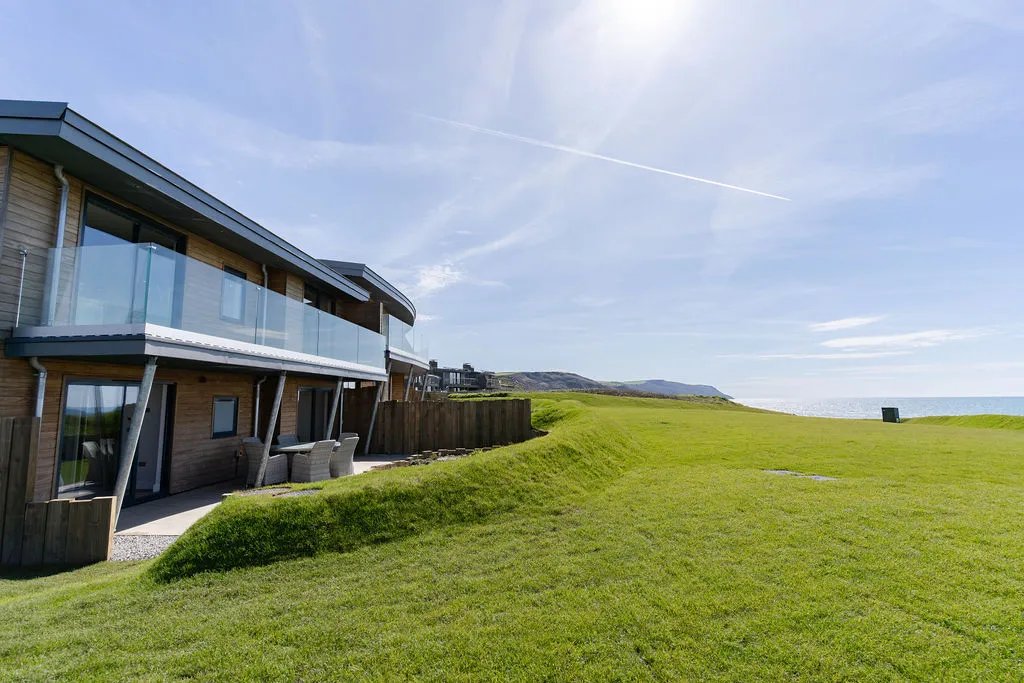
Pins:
x,y
228,270
137,219
167,436
234,418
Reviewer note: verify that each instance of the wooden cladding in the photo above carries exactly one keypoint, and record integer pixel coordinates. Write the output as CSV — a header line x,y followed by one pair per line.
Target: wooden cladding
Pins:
x,y
404,427
55,532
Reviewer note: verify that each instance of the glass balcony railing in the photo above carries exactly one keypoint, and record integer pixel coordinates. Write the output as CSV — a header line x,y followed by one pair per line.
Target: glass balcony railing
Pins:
x,y
145,283
404,337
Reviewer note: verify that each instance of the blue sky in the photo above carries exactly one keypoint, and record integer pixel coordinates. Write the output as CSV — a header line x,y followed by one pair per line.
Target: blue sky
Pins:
x,y
894,129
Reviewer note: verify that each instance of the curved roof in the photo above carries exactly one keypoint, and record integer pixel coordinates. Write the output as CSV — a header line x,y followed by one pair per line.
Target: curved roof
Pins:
x,y
395,302
55,133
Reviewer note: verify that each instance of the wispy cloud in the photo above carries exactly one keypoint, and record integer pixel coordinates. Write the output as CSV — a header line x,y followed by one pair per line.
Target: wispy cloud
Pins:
x,y
593,155
856,355
526,233
432,279
253,139
844,323
909,340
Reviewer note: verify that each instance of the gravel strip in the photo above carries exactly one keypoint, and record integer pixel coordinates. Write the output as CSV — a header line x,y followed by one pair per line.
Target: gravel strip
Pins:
x,y
260,492
128,548
303,492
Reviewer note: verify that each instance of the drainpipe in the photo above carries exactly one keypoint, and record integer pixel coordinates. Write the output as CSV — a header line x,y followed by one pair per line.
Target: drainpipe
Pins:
x,y
256,408
62,216
40,385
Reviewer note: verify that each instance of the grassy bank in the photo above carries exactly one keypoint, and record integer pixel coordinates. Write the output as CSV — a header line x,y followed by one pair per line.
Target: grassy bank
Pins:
x,y
581,454
677,558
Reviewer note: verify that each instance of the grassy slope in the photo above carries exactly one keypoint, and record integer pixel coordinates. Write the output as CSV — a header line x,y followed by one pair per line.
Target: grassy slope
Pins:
x,y
979,421
688,561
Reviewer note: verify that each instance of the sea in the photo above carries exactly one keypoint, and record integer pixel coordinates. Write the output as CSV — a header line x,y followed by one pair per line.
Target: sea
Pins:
x,y
871,408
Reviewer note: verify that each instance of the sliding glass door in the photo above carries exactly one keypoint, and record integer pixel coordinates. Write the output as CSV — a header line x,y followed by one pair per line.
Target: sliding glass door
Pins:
x,y
96,421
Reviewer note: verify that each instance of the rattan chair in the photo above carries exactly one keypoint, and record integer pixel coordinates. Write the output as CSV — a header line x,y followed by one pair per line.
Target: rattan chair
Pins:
x,y
277,465
287,439
315,465
341,459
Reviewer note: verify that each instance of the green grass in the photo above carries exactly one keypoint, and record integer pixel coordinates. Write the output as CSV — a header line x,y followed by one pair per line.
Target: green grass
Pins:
x,y
978,421
640,540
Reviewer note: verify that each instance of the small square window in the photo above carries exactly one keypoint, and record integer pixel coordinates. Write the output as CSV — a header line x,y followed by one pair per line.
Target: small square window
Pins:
x,y
225,417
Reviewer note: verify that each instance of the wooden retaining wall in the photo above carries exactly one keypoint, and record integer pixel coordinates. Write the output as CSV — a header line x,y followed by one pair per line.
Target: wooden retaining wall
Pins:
x,y
54,532
405,427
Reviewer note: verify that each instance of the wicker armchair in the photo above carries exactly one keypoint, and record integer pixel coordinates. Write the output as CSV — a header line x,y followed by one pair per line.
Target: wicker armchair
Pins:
x,y
277,465
315,465
341,459
287,439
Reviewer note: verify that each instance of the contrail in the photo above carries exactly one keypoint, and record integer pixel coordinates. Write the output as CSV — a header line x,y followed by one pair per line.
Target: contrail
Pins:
x,y
592,155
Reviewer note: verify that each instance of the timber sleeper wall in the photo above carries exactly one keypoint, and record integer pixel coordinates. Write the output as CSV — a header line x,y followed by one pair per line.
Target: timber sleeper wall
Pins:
x,y
404,427
55,532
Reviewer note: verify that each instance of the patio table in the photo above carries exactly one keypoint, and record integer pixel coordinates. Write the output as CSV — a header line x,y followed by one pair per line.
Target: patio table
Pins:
x,y
297,448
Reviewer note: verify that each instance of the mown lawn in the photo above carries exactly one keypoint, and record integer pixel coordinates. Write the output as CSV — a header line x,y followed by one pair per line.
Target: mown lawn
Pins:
x,y
677,558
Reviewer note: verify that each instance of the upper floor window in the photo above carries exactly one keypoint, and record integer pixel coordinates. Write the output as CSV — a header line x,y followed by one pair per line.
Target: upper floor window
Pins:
x,y
232,295
106,223
311,296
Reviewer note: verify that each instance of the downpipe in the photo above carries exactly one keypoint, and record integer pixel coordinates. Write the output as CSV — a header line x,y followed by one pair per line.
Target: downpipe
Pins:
x,y
40,384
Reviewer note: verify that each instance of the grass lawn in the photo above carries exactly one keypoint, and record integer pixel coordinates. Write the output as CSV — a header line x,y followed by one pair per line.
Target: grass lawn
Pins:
x,y
641,539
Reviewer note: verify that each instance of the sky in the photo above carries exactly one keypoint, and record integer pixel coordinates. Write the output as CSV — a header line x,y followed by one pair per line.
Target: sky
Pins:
x,y
783,199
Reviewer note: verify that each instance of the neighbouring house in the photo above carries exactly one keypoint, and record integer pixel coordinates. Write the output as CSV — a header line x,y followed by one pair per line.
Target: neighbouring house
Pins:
x,y
121,279
459,379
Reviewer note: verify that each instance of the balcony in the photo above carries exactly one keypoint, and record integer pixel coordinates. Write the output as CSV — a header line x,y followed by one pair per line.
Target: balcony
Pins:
x,y
143,299
406,344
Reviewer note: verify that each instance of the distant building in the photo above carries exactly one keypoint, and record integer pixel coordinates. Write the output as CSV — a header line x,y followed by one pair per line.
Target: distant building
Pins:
x,y
459,379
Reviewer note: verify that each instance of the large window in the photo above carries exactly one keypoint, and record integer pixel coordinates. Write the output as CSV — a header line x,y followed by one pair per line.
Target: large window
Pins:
x,y
232,295
94,428
114,229
106,223
225,416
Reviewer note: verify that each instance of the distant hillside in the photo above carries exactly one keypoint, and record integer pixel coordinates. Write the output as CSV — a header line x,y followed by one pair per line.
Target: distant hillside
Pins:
x,y
664,386
550,381
560,381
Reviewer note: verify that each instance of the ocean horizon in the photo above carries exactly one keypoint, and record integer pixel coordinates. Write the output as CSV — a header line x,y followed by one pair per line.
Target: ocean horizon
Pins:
x,y
871,408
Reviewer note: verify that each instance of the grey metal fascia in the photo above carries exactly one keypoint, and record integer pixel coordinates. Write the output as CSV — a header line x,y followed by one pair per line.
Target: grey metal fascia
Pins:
x,y
351,269
56,119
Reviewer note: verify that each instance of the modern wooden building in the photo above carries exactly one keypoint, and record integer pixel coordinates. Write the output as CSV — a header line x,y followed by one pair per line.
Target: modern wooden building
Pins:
x,y
123,285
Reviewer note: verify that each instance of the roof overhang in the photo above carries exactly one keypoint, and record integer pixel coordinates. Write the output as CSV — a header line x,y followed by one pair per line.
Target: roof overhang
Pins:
x,y
56,134
396,303
407,359
129,343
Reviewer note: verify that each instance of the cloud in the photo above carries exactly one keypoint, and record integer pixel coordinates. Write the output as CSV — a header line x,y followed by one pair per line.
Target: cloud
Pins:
x,y
594,301
844,323
521,235
432,279
910,340
255,140
599,157
948,106
833,356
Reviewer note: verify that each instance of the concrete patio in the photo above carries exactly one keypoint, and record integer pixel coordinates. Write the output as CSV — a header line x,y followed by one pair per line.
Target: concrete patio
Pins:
x,y
173,515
